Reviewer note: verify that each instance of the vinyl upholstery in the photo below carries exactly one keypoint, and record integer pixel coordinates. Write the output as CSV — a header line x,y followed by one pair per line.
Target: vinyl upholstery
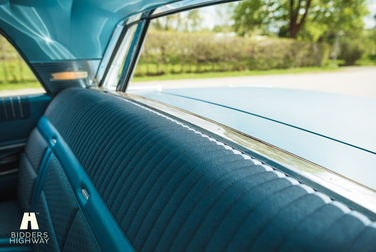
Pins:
x,y
167,187
171,188
9,208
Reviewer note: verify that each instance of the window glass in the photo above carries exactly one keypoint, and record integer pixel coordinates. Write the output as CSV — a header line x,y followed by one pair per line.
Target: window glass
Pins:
x,y
324,49
16,78
116,67
273,71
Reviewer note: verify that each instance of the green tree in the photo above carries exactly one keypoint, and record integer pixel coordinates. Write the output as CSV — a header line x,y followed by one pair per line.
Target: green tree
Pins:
x,y
193,20
249,15
186,21
339,16
312,18
223,18
167,23
340,23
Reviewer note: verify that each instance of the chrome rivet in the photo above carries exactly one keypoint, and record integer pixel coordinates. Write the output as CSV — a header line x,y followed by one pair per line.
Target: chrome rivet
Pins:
x,y
85,194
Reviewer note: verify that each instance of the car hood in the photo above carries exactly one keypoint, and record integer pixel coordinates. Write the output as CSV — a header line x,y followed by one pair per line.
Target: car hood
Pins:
x,y
332,130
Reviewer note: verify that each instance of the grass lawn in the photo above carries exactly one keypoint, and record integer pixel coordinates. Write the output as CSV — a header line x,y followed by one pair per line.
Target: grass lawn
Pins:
x,y
15,74
31,82
232,73
19,85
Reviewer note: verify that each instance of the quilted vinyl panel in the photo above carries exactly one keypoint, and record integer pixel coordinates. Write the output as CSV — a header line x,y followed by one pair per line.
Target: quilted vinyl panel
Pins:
x,y
26,181
56,208
7,225
29,166
45,225
172,188
60,200
35,148
80,237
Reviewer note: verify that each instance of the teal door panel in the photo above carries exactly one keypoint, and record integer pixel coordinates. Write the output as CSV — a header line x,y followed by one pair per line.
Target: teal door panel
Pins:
x,y
18,116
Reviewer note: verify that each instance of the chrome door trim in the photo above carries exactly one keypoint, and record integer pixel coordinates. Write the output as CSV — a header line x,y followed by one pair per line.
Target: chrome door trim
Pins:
x,y
8,172
12,146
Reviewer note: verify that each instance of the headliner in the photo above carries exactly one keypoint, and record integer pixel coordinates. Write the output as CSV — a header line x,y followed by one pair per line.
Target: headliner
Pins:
x,y
50,30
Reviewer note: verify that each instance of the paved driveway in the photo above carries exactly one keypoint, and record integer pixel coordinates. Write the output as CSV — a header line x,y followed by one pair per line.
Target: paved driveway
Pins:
x,y
360,81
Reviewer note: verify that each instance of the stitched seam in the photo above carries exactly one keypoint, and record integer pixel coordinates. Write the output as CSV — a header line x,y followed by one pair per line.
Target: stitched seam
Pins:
x,y
97,137
159,195
118,172
101,181
283,242
226,189
147,164
351,243
196,205
251,210
273,218
119,160
186,161
323,232
136,149
174,193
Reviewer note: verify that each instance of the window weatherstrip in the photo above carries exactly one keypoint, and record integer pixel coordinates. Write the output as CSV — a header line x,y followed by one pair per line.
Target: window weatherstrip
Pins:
x,y
113,46
133,54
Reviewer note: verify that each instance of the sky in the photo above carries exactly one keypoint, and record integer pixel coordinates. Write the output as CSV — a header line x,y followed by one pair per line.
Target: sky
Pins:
x,y
369,20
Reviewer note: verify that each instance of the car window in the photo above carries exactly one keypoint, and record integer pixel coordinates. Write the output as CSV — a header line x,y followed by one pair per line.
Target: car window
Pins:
x,y
250,67
243,44
115,69
16,78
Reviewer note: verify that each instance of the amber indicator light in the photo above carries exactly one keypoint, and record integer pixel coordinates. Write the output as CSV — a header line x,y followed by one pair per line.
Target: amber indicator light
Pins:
x,y
70,75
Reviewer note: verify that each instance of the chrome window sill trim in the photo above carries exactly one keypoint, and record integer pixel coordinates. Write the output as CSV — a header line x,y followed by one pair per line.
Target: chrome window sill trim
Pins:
x,y
351,193
8,172
12,146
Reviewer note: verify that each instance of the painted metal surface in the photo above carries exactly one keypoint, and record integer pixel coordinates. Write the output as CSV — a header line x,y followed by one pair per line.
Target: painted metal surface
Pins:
x,y
341,117
323,128
50,30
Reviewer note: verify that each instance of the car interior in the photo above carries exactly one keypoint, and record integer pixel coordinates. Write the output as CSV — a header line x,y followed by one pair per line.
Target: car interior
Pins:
x,y
103,171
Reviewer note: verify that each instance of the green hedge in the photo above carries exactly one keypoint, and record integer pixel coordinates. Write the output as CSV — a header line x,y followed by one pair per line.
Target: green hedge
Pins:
x,y
351,51
13,69
174,52
177,52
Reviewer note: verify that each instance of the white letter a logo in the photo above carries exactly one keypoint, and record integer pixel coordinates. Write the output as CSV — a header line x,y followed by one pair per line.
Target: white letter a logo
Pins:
x,y
29,217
